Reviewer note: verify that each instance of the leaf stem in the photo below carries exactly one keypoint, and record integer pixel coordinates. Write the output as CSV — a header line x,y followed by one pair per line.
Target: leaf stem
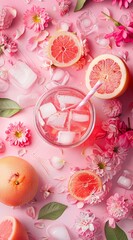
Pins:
x,y
112,19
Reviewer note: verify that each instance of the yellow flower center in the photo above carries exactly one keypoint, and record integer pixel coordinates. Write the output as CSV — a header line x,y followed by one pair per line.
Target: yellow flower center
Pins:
x,y
36,19
18,134
101,165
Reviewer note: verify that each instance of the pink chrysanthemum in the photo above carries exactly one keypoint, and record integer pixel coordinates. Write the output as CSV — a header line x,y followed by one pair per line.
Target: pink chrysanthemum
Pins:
x,y
7,45
124,3
112,108
88,226
117,206
36,18
18,134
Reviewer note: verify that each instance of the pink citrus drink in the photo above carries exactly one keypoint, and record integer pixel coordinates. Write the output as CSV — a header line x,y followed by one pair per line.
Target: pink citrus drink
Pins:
x,y
59,122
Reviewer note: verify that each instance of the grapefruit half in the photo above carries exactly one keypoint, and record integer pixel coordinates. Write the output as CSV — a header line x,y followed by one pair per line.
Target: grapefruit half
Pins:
x,y
12,229
112,71
64,49
83,183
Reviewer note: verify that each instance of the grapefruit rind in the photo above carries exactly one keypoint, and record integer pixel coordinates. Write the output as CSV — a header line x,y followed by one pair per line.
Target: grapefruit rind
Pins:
x,y
72,37
124,81
78,189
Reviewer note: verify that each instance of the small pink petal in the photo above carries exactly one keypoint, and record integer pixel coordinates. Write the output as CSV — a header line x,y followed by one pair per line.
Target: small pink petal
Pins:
x,y
22,152
2,61
123,55
71,200
106,11
80,204
112,222
31,212
42,36
19,32
39,224
32,44
2,146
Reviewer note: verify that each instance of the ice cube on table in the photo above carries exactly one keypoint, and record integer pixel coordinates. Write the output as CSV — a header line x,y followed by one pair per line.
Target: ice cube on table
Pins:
x,y
23,75
79,115
57,120
66,137
58,232
47,110
65,101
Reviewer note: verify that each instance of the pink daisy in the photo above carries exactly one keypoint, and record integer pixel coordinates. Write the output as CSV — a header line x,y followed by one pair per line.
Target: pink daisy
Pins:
x,y
121,3
117,206
36,18
18,134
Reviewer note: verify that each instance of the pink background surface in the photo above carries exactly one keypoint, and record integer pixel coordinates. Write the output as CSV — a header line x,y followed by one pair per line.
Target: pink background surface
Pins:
x,y
39,152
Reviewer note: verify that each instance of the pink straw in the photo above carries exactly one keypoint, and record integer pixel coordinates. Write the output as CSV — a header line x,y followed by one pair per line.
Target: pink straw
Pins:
x,y
90,94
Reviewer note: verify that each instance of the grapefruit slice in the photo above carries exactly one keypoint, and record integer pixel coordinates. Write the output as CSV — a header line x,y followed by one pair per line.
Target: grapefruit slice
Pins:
x,y
64,49
12,229
83,183
112,71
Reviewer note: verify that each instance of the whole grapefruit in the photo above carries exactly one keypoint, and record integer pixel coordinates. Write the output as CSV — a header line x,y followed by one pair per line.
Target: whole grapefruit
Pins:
x,y
12,229
18,181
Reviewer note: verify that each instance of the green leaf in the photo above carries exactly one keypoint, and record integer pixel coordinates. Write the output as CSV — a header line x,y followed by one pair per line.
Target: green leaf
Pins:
x,y
79,5
52,211
8,107
114,233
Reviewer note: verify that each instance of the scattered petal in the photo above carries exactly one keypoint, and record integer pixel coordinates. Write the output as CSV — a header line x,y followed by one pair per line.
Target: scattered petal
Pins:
x,y
7,14
19,32
40,224
103,16
31,212
2,146
57,162
71,200
123,55
22,152
80,204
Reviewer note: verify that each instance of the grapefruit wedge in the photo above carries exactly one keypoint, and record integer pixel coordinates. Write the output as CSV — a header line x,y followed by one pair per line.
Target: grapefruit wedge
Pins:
x,y
83,183
64,49
112,71
12,229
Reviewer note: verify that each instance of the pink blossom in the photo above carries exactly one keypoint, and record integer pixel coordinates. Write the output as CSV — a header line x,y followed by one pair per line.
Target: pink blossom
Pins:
x,y
124,3
46,191
31,212
102,166
121,34
18,134
117,151
37,19
2,146
114,127
117,207
7,45
112,108
64,6
7,14
88,226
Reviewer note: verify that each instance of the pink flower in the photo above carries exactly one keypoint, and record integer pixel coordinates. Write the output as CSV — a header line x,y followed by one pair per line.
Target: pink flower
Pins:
x,y
121,34
114,127
121,3
117,152
64,6
46,191
7,45
18,134
112,108
88,226
102,166
129,135
7,14
36,18
2,146
117,207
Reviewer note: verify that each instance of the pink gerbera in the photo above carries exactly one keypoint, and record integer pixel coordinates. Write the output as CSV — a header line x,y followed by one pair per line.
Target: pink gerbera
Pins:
x,y
18,134
36,18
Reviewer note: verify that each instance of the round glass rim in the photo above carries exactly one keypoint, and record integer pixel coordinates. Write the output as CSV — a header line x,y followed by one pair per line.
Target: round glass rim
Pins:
x,y
85,135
